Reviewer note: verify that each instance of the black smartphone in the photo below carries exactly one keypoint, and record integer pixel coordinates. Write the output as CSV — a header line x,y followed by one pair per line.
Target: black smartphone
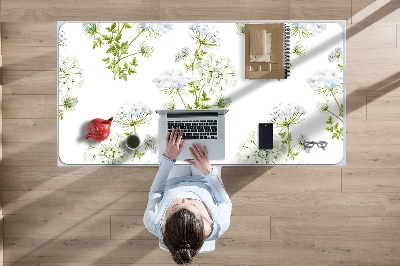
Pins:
x,y
265,136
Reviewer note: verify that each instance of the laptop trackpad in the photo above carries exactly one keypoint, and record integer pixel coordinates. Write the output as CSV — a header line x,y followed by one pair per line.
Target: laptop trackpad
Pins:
x,y
213,148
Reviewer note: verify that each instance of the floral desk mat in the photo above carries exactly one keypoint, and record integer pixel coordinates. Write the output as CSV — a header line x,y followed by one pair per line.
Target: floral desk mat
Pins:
x,y
129,70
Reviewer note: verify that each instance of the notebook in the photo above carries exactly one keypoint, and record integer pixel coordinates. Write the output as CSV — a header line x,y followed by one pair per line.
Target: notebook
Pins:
x,y
204,127
267,51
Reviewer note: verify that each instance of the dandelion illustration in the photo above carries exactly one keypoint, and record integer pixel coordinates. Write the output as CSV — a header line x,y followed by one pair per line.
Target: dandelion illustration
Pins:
x,y
204,34
182,53
148,144
170,105
156,29
145,50
207,75
306,30
108,151
132,115
329,84
70,76
326,82
215,74
250,152
172,79
337,55
302,139
284,118
62,39
299,50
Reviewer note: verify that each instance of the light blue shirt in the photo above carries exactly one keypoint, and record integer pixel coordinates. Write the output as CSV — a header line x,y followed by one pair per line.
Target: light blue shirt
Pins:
x,y
209,188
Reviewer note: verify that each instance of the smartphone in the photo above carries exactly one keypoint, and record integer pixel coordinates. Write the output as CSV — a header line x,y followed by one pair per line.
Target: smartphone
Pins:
x,y
265,136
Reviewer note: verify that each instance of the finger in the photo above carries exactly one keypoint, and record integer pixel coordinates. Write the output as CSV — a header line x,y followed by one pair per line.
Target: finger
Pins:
x,y
193,153
180,136
183,143
168,136
197,151
205,152
189,161
176,134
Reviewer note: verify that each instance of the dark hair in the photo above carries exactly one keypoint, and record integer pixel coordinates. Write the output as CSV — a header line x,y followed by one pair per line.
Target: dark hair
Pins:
x,y
184,235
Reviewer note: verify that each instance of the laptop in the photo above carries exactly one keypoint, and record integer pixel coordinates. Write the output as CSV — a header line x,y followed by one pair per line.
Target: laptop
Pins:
x,y
204,127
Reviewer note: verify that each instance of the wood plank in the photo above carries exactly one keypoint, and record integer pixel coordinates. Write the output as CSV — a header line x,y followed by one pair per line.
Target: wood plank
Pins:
x,y
324,9
1,238
335,228
309,204
356,109
19,51
384,180
29,34
80,179
129,227
249,227
21,264
393,204
58,10
114,264
382,155
398,35
285,180
373,132
57,178
24,106
30,154
85,251
384,36
107,203
51,106
239,252
359,6
224,10
374,75
364,252
40,130
230,252
383,108
33,202
34,62
29,82
369,12
53,226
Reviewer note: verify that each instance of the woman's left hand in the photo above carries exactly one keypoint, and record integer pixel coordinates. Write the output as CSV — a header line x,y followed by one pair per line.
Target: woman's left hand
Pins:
x,y
174,144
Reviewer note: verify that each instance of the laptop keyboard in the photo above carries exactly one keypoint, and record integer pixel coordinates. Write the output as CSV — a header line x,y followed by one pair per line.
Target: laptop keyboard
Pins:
x,y
196,129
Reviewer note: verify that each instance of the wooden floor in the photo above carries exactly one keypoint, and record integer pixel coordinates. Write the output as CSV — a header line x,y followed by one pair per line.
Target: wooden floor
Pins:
x,y
281,215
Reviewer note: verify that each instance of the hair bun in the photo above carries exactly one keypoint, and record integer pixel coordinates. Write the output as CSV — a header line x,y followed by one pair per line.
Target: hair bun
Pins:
x,y
183,255
184,245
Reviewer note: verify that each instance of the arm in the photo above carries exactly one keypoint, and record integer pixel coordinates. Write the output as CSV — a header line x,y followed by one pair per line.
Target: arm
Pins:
x,y
156,194
222,199
224,204
172,150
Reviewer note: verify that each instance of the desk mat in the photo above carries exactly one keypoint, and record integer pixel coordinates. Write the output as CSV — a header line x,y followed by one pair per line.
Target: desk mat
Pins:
x,y
128,70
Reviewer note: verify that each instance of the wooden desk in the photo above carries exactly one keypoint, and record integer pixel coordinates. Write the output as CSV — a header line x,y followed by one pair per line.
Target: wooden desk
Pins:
x,y
112,69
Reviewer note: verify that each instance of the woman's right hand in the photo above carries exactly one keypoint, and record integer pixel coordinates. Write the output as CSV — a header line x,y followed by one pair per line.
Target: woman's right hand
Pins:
x,y
200,159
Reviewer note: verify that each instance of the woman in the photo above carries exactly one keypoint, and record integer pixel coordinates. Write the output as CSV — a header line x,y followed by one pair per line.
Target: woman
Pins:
x,y
185,210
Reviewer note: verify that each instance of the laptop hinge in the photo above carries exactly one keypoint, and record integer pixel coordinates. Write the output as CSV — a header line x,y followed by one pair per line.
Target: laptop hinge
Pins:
x,y
191,114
